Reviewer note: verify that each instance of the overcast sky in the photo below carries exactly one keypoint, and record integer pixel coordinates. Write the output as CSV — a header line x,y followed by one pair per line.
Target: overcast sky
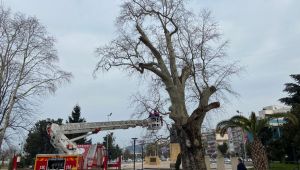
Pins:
x,y
264,36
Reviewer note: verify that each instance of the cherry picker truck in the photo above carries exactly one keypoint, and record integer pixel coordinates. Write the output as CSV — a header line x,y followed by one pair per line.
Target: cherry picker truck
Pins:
x,y
88,156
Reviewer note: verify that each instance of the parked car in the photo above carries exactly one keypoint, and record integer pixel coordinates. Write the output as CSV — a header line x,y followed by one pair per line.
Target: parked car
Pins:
x,y
212,160
163,158
227,160
249,160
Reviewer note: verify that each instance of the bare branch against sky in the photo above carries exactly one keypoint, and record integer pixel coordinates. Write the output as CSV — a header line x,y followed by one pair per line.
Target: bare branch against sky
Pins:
x,y
263,35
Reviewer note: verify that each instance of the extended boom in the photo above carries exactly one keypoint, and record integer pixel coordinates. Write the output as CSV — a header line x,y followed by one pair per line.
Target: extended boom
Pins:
x,y
64,145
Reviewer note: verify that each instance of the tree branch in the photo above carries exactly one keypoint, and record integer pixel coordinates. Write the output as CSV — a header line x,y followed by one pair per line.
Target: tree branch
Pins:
x,y
197,112
185,73
155,52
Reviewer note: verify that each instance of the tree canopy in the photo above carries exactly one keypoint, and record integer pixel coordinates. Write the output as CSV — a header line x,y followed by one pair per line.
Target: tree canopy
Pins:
x,y
291,139
76,118
28,68
184,56
114,151
255,126
293,90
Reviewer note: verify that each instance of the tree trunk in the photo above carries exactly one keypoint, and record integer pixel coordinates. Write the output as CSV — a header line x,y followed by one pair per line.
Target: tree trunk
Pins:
x,y
2,133
5,125
192,152
258,155
6,118
178,162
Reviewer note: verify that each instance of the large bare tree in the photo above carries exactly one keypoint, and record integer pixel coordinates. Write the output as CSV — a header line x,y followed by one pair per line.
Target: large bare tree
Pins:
x,y
183,53
28,68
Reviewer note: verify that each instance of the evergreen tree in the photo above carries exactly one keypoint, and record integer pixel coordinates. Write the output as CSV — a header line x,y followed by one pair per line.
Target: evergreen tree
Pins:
x,y
293,90
223,149
127,155
38,141
114,151
291,138
76,118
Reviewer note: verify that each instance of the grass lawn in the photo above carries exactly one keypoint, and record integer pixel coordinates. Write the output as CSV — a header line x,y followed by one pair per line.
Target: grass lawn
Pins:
x,y
282,166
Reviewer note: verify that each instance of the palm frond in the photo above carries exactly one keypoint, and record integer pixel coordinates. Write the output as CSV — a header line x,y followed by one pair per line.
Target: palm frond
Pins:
x,y
222,124
236,121
251,125
240,118
260,124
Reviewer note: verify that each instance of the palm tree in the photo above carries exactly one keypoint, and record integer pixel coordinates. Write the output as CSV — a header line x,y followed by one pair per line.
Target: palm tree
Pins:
x,y
254,126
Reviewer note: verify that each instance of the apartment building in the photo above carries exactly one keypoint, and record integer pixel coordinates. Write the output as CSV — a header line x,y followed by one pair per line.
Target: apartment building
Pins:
x,y
208,137
275,123
236,140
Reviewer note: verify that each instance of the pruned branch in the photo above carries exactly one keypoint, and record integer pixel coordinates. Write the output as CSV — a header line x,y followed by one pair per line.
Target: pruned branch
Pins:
x,y
201,111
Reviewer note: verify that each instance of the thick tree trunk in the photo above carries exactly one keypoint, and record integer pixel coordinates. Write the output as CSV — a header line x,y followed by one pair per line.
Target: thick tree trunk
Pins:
x,y
192,152
258,155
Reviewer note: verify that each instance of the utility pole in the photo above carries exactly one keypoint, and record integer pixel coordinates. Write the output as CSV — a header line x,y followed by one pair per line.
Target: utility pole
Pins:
x,y
134,139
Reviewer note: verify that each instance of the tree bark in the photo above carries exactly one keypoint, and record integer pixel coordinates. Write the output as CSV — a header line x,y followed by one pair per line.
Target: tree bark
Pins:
x,y
6,119
258,155
192,152
178,162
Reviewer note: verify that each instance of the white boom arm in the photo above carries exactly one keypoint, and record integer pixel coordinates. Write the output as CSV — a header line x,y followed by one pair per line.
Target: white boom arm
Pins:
x,y
64,145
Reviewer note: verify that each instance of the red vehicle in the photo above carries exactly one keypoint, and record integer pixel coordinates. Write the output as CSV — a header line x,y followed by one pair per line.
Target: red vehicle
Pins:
x,y
91,156
58,162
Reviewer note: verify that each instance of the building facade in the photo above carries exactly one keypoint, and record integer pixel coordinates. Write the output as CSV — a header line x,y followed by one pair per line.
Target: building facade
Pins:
x,y
209,142
236,141
275,123
273,109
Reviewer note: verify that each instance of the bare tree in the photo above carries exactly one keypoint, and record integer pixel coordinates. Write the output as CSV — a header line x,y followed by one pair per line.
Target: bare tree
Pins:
x,y
28,68
183,53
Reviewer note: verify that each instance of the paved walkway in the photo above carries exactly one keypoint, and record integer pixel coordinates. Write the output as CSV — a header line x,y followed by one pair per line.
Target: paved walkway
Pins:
x,y
163,165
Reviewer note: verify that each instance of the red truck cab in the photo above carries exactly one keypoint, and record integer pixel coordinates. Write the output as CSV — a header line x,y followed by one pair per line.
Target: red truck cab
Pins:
x,y
58,162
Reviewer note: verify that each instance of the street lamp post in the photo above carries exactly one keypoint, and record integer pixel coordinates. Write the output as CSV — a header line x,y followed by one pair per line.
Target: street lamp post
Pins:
x,y
134,139
107,137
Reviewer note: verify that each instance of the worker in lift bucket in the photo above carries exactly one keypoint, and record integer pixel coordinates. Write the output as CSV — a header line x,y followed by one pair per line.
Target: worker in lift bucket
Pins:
x,y
156,113
158,117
